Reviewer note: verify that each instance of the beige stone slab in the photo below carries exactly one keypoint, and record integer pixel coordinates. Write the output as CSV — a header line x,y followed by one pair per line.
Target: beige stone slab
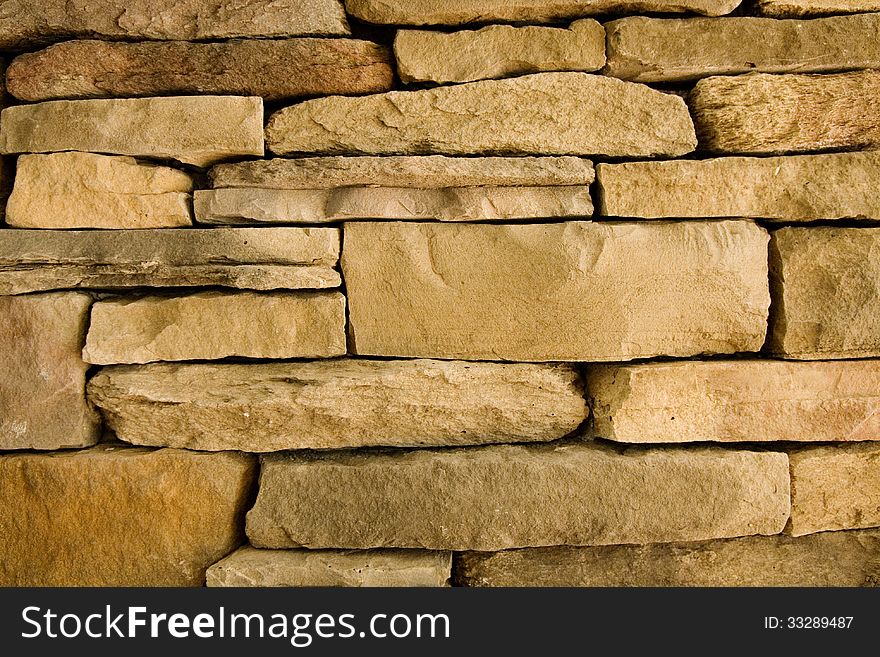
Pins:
x,y
246,258
260,206
792,188
736,401
825,283
349,568
491,498
815,7
42,399
831,559
540,114
419,171
111,516
25,22
86,190
212,325
836,487
674,50
338,403
498,51
576,291
199,130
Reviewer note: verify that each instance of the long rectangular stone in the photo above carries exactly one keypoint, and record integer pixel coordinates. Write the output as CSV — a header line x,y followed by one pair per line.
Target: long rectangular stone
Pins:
x,y
247,258
830,559
794,188
674,50
540,114
42,398
199,130
576,291
261,206
815,7
338,403
350,568
492,498
212,325
736,401
836,487
826,290
111,516
773,114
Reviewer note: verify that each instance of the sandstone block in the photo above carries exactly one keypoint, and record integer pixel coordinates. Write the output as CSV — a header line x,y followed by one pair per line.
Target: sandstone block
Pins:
x,y
491,498
498,51
419,171
212,325
273,69
826,283
831,559
111,516
86,190
795,188
338,403
730,401
574,291
197,130
349,568
836,487
42,399
248,258
815,7
542,114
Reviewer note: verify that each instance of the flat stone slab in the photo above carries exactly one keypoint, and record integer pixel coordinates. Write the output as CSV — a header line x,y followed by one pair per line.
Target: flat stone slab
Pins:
x,y
783,8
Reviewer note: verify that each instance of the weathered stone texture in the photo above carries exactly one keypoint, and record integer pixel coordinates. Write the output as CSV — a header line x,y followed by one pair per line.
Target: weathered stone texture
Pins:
x,y
542,114
338,403
831,559
498,51
86,190
492,498
835,487
247,258
273,69
111,516
212,325
42,399
576,291
795,188
358,568
740,400
784,8
197,130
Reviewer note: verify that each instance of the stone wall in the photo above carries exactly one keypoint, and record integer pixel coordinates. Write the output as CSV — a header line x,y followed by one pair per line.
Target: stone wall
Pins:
x,y
407,292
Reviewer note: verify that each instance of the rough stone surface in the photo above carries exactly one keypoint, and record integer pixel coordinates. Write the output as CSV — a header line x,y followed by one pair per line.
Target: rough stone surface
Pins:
x,y
576,291
338,403
456,12
419,171
248,258
199,130
86,190
826,290
273,69
741,400
212,325
42,399
836,487
111,516
492,498
784,8
542,114
834,559
774,114
674,50
258,206
498,51
794,188
251,567
25,22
